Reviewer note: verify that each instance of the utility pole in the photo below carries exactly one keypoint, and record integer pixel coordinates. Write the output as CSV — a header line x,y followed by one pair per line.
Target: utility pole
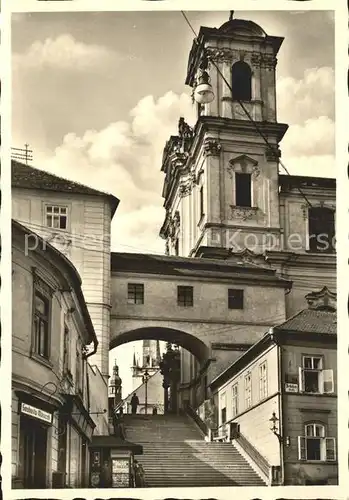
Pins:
x,y
23,154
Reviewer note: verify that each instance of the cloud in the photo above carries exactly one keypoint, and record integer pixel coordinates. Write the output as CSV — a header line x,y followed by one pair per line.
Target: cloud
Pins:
x,y
315,166
124,158
312,96
315,137
63,52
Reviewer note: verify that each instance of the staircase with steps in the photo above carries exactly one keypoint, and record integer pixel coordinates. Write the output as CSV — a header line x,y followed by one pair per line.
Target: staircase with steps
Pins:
x,y
175,454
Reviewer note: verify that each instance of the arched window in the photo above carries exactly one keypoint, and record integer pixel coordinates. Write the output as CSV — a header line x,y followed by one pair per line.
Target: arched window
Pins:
x,y
314,445
321,230
241,81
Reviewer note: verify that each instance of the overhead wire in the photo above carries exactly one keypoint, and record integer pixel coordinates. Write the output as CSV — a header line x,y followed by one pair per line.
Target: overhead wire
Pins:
x,y
259,131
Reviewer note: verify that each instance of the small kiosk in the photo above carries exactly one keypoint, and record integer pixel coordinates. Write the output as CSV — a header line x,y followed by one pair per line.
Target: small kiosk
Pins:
x,y
112,462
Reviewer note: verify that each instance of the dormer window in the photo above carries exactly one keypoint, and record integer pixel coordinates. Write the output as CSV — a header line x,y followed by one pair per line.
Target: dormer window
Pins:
x,y
241,81
56,217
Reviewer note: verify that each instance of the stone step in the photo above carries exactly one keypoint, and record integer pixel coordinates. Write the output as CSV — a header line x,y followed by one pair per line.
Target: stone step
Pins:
x,y
175,454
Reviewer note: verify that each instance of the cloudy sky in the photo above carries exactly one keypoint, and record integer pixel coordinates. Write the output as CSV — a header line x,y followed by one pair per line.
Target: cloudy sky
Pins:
x,y
96,95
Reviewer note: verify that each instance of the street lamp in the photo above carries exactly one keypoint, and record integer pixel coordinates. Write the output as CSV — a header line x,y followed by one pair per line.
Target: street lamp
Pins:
x,y
146,377
275,429
203,92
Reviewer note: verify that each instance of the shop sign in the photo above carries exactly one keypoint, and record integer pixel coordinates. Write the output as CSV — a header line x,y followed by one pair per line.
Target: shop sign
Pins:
x,y
36,413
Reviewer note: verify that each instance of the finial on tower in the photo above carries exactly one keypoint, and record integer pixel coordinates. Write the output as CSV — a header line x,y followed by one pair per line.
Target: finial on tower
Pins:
x,y
231,16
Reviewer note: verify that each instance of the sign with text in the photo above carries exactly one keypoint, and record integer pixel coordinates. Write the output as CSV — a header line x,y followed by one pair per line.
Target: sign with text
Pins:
x,y
120,473
291,387
121,466
36,413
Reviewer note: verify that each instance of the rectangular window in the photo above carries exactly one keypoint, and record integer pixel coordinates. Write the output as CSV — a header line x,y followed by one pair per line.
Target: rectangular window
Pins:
x,y
263,381
235,298
223,408
248,391
321,224
78,371
42,306
243,196
234,400
313,378
66,351
135,293
315,446
185,296
201,201
56,217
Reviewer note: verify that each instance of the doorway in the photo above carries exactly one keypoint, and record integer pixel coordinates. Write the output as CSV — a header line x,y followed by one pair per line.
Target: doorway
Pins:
x,y
33,453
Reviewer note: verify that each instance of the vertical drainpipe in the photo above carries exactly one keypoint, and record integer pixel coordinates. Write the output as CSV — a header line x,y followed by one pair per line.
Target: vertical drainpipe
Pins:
x,y
281,413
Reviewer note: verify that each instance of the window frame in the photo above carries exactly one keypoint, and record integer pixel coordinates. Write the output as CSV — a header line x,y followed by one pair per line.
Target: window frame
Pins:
x,y
182,296
309,236
241,175
325,376
263,380
238,306
137,293
201,202
44,292
247,72
59,215
235,399
67,351
248,390
223,408
327,445
78,369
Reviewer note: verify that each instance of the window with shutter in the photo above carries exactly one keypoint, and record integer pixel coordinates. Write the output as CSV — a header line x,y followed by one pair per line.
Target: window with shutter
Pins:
x,y
301,448
330,445
300,381
313,378
315,446
327,381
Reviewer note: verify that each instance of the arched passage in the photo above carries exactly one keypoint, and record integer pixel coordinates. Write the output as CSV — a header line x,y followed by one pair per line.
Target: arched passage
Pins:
x,y
188,388
192,344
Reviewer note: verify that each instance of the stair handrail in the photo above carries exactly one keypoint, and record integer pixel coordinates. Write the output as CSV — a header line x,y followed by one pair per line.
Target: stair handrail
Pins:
x,y
199,422
253,453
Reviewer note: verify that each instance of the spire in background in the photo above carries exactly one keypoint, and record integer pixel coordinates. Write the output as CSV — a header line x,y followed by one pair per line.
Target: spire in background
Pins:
x,y
158,355
134,358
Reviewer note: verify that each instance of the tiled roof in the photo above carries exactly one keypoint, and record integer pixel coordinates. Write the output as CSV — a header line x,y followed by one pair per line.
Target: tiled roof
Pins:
x,y
191,267
311,321
307,321
294,181
27,177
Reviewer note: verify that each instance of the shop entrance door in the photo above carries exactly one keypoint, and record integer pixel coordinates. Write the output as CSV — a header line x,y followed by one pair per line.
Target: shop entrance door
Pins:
x,y
33,450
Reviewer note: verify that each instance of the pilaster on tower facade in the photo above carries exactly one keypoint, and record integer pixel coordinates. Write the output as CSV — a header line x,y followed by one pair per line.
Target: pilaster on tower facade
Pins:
x,y
221,185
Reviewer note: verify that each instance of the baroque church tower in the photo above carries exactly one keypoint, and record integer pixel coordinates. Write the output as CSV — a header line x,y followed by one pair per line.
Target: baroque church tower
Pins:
x,y
149,362
221,186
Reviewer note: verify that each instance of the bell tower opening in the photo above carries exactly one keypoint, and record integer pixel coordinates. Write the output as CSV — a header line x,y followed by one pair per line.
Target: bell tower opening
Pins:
x,y
241,78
